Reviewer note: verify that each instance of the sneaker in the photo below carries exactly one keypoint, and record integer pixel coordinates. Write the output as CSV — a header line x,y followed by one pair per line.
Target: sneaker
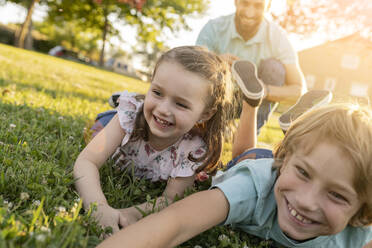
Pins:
x,y
113,100
245,74
312,99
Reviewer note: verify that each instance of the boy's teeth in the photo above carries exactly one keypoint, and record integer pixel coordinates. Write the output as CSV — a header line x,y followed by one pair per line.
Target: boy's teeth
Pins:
x,y
298,216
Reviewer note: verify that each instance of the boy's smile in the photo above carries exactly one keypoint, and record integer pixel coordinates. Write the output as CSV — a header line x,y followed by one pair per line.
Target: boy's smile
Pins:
x,y
315,193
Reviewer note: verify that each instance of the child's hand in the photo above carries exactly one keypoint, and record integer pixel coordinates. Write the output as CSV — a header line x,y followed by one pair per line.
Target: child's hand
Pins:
x,y
129,216
108,217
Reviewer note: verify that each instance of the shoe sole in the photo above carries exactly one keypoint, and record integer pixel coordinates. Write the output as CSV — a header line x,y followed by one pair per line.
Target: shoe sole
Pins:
x,y
305,103
113,100
245,74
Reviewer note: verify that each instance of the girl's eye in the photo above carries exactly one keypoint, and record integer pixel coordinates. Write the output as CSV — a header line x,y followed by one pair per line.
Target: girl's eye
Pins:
x,y
302,172
182,105
338,197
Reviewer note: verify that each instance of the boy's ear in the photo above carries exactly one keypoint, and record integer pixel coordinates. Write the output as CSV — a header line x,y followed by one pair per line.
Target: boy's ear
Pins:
x,y
207,114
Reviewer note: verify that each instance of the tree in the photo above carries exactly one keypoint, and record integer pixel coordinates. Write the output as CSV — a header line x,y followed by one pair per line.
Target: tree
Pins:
x,y
331,17
149,18
71,36
30,6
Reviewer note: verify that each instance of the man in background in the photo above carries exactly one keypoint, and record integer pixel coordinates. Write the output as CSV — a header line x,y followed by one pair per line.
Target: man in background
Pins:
x,y
248,35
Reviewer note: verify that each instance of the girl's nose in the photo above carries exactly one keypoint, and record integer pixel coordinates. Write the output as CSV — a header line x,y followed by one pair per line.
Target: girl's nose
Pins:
x,y
164,108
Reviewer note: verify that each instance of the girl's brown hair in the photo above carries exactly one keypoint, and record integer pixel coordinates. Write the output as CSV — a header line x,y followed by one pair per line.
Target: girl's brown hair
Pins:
x,y
216,71
348,126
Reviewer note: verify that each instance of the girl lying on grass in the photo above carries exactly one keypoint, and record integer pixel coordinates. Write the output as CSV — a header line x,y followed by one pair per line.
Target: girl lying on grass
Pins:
x,y
315,192
171,134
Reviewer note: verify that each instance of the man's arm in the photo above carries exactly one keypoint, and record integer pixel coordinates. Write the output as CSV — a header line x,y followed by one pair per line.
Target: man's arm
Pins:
x,y
175,224
293,87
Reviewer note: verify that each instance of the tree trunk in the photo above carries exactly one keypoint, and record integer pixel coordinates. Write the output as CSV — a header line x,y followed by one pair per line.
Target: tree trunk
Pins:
x,y
20,40
104,34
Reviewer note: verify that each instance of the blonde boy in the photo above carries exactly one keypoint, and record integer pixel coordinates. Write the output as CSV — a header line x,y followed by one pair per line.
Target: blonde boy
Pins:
x,y
316,192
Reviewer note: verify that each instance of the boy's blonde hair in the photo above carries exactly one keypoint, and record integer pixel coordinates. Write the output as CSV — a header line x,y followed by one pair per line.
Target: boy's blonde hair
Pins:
x,y
348,126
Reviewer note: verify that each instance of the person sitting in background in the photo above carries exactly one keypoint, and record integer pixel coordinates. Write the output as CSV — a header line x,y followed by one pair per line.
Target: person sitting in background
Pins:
x,y
248,35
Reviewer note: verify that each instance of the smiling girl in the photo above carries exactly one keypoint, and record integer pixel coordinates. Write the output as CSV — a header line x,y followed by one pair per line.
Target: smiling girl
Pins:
x,y
172,133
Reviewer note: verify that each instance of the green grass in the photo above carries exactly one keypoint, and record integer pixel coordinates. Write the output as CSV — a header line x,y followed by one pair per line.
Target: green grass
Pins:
x,y
45,105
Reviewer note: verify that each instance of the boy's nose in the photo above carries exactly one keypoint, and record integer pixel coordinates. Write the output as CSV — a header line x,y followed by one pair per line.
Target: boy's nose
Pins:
x,y
308,201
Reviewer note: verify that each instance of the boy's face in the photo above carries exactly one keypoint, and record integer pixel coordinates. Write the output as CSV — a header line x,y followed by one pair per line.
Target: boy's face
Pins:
x,y
314,192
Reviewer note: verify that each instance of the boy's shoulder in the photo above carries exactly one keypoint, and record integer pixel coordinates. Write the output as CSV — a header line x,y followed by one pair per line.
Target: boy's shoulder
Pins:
x,y
352,237
259,172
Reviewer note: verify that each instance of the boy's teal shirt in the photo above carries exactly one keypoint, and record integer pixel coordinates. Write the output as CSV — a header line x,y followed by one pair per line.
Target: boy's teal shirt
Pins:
x,y
249,189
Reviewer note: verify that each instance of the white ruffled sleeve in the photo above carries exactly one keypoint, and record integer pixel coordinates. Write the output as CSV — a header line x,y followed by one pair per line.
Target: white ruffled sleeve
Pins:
x,y
128,109
183,167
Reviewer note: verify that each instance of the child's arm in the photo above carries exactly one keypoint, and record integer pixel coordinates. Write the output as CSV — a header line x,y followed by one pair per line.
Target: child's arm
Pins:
x,y
175,187
246,135
176,223
86,172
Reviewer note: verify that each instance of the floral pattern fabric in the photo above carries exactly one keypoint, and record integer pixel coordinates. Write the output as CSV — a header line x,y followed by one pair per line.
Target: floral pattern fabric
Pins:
x,y
147,162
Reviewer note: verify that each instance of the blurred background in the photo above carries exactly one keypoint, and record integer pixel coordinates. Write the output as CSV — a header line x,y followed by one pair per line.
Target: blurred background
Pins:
x,y
332,37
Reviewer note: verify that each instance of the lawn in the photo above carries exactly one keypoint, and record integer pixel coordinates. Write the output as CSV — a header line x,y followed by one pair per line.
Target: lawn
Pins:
x,y
45,105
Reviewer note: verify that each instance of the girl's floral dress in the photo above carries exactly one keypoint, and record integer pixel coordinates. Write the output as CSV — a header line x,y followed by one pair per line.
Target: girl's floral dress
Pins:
x,y
146,161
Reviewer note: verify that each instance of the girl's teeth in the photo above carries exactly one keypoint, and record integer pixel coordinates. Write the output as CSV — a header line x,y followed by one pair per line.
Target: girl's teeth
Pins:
x,y
162,121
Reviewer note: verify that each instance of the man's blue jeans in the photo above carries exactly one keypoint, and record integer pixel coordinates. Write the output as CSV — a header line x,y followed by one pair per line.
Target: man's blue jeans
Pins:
x,y
272,72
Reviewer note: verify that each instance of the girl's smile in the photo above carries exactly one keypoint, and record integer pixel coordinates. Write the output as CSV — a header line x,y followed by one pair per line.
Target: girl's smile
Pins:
x,y
174,103
161,122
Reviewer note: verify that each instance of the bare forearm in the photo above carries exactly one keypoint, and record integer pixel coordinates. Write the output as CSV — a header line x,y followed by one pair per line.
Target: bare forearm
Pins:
x,y
288,93
88,183
175,224
245,137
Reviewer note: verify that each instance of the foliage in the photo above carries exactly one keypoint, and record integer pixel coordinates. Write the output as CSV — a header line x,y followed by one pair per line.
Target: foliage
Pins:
x,y
72,37
330,17
150,20
46,103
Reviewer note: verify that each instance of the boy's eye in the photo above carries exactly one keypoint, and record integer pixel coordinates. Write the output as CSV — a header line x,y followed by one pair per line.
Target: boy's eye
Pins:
x,y
338,196
182,105
302,172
